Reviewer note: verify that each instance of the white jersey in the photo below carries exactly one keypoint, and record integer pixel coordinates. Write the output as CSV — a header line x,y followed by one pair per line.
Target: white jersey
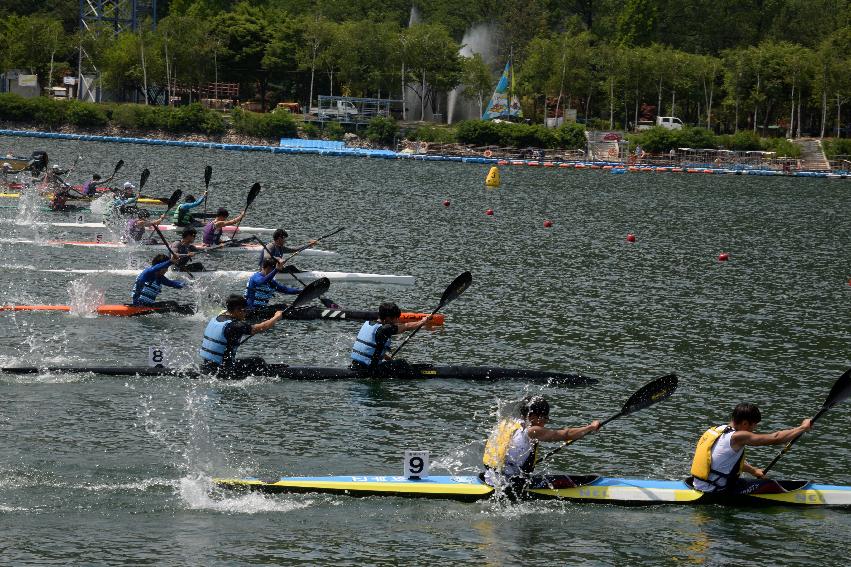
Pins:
x,y
520,450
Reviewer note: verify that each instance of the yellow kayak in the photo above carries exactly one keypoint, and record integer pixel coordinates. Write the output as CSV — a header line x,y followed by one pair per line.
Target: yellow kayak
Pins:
x,y
143,200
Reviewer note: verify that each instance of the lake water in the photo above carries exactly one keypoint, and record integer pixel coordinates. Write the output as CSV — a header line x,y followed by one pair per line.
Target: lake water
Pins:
x,y
100,470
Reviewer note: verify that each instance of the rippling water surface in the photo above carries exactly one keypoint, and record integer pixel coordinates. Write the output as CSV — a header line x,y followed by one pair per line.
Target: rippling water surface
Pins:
x,y
100,470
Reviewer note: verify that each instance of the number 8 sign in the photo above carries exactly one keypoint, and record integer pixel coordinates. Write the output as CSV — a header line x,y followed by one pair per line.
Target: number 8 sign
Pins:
x,y
415,465
157,356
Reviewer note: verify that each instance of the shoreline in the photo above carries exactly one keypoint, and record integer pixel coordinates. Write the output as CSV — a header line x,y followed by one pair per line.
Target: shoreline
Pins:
x,y
233,142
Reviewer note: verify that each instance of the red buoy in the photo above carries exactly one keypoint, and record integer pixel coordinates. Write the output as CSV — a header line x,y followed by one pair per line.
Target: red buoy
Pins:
x,y
630,237
489,212
723,257
548,224
446,203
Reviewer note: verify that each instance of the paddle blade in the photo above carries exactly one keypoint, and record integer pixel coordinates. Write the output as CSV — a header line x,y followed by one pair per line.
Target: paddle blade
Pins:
x,y
311,291
208,173
175,197
144,179
252,194
840,392
456,288
652,392
118,166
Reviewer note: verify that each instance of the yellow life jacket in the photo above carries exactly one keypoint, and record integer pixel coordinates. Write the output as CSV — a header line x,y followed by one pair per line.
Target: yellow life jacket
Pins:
x,y
496,447
701,465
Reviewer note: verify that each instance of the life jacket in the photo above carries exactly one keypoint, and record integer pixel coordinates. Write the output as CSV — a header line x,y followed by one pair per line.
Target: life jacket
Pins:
x,y
182,216
701,465
365,351
133,231
214,347
262,294
274,249
498,444
146,292
212,235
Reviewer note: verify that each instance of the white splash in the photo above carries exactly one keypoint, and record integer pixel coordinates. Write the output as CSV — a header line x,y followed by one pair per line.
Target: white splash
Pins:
x,y
84,298
479,39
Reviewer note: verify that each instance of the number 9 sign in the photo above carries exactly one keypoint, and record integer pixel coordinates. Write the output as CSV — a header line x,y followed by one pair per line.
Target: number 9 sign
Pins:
x,y
415,465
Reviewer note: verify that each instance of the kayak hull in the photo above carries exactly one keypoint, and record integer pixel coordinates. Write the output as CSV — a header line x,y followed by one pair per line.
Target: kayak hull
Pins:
x,y
303,314
305,277
147,247
415,372
583,488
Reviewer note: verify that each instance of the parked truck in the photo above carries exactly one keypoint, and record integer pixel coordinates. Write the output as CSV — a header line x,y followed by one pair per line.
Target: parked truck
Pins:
x,y
336,110
669,122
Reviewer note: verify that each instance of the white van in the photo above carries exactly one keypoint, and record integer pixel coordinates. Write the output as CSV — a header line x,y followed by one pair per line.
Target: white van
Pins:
x,y
669,122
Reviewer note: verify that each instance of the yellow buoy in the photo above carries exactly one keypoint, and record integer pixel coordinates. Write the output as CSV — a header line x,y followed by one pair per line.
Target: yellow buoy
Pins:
x,y
492,180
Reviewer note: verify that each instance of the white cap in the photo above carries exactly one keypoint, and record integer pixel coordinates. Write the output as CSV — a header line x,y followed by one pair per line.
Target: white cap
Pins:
x,y
128,185
55,167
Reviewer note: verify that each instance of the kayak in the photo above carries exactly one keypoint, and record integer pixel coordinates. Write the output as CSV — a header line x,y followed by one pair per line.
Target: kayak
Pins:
x,y
162,227
580,488
81,198
303,314
284,371
156,246
305,276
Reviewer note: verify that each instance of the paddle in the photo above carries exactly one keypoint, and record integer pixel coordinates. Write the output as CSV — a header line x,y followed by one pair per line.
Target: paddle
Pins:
x,y
455,289
208,173
311,244
118,166
310,292
228,244
652,392
325,301
252,194
841,391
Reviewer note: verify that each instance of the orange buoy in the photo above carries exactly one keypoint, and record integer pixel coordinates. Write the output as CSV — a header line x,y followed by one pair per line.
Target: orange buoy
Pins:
x,y
548,224
630,237
723,257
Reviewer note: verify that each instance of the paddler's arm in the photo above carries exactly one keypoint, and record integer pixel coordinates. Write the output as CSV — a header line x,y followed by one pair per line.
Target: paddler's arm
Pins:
x,y
748,438
233,221
567,434
402,327
752,470
267,324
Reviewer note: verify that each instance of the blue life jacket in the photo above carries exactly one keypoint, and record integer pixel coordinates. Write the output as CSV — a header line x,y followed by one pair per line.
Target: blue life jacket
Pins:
x,y
365,350
262,294
215,344
145,293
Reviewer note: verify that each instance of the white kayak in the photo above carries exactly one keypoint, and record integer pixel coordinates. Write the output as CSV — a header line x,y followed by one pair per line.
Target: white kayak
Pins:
x,y
306,276
147,247
163,227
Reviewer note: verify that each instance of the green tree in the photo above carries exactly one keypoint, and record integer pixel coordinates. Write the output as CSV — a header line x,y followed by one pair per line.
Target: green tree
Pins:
x,y
477,80
243,35
432,61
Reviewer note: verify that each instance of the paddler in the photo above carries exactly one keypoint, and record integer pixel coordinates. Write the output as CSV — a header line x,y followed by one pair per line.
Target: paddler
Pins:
x,y
90,187
134,231
719,458
150,281
371,351
185,250
278,248
126,200
213,230
182,215
261,287
222,338
511,451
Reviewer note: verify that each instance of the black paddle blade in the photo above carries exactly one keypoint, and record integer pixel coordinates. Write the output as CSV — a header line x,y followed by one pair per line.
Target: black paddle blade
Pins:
x,y
208,173
652,392
144,179
175,197
456,288
311,291
841,390
252,194
118,166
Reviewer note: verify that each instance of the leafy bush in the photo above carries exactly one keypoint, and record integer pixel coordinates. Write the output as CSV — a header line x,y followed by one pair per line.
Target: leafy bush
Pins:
x,y
139,117
435,134
334,131
47,112
481,133
654,140
782,146
14,108
742,141
382,130
698,138
310,130
478,132
572,136
84,114
272,125
837,147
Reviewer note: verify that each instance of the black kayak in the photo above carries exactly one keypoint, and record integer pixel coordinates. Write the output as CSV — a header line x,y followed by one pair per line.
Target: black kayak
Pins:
x,y
410,372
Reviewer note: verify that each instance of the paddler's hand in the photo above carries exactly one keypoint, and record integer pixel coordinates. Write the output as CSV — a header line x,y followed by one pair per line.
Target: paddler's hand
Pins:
x,y
807,424
595,425
278,315
424,320
175,258
758,473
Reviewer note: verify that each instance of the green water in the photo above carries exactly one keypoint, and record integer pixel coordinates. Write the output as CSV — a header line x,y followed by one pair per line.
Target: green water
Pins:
x,y
100,470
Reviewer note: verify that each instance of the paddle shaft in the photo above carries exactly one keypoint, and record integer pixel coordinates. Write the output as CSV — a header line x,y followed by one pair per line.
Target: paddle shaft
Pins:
x,y
170,251
252,194
572,441
791,442
301,249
